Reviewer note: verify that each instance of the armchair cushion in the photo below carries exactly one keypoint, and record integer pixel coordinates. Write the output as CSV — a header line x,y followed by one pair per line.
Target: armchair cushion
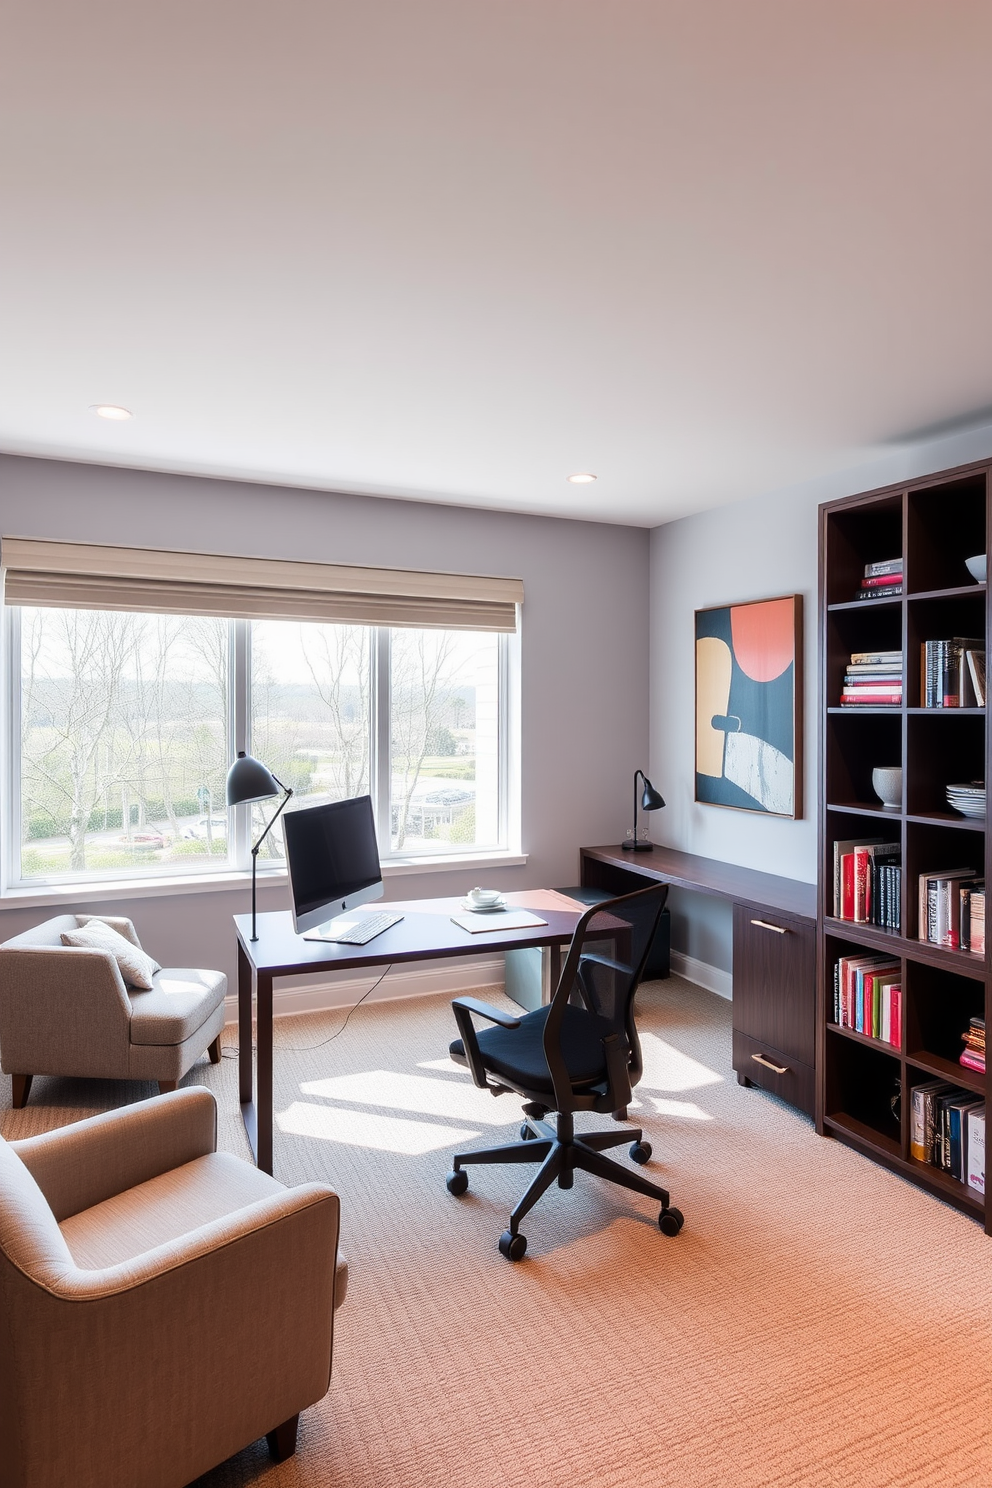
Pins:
x,y
168,1207
179,1001
136,968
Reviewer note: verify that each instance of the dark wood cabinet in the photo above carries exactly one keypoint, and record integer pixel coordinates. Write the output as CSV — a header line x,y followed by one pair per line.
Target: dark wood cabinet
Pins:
x,y
774,958
775,1004
865,1084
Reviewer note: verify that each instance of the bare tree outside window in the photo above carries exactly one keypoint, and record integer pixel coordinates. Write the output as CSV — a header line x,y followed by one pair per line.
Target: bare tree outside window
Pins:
x,y
123,736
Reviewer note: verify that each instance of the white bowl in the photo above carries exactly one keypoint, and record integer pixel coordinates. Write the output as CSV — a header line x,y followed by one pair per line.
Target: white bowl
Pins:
x,y
976,567
887,784
483,897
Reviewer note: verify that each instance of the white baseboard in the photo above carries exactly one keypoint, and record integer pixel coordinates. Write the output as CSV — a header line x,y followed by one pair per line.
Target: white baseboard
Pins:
x,y
704,975
415,980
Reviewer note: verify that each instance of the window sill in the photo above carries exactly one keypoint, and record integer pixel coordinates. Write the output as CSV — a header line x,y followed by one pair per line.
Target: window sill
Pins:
x,y
27,897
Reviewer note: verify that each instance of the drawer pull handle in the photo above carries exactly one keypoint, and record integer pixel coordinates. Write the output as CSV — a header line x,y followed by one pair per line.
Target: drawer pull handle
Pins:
x,y
764,925
780,1069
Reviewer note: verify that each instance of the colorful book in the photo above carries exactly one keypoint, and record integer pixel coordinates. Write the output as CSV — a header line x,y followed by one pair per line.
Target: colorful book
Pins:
x,y
975,1150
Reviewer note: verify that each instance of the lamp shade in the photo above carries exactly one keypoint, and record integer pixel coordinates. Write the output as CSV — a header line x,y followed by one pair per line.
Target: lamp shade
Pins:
x,y
651,799
248,780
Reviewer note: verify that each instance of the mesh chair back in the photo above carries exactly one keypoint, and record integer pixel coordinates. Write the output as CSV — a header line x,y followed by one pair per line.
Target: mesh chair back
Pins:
x,y
604,965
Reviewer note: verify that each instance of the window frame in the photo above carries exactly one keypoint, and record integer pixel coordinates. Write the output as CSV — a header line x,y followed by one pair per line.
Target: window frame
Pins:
x,y
161,879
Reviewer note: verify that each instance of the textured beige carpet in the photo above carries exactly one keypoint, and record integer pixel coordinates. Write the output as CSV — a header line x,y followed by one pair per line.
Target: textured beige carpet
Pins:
x,y
817,1322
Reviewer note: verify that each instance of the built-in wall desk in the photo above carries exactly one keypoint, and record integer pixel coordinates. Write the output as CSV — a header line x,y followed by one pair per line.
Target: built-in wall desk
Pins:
x,y
774,969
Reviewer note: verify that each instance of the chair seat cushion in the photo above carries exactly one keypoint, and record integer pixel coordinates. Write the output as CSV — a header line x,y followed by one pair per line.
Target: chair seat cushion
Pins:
x,y
180,1001
518,1053
169,1206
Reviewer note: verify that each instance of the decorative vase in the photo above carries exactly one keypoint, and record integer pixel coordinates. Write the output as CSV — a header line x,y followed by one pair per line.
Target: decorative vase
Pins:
x,y
887,784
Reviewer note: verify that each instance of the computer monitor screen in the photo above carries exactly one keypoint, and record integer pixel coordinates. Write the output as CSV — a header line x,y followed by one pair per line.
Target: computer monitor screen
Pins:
x,y
333,860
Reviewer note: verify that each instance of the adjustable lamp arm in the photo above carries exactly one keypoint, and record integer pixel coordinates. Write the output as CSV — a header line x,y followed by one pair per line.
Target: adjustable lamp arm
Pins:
x,y
254,852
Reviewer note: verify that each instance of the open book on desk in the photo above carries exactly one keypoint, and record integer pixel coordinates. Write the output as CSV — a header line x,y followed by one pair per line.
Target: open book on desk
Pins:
x,y
490,920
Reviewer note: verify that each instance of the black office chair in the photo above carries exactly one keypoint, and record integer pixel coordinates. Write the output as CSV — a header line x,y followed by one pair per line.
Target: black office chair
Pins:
x,y
580,1053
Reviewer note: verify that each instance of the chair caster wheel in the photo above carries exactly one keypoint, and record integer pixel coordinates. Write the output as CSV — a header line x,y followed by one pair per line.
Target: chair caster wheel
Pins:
x,y
514,1247
526,1135
670,1221
457,1182
640,1152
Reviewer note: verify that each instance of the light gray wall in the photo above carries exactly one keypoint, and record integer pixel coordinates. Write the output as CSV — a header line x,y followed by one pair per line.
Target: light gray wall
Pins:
x,y
755,550
584,705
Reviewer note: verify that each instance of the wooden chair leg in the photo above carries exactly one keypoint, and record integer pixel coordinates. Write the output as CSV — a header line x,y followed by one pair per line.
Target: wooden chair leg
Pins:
x,y
214,1051
21,1090
164,1086
282,1441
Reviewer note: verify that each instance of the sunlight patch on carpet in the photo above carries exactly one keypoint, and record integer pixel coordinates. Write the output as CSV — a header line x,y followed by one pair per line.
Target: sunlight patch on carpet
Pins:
x,y
365,1129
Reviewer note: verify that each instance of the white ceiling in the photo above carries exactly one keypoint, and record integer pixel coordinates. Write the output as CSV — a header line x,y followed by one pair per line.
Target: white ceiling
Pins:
x,y
457,249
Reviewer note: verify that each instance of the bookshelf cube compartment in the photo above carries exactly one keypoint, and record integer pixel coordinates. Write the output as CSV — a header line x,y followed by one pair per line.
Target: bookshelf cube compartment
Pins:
x,y
857,538
844,833
938,1005
946,525
934,849
944,748
855,744
838,948
941,619
863,1090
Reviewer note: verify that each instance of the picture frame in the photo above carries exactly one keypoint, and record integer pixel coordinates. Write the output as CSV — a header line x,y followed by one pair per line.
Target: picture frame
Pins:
x,y
748,702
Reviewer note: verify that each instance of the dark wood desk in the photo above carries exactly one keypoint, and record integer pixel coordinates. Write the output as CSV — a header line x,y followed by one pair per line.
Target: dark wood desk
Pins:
x,y
774,957
426,933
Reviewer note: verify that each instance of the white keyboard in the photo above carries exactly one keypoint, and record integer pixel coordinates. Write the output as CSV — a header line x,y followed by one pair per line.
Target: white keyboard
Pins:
x,y
356,932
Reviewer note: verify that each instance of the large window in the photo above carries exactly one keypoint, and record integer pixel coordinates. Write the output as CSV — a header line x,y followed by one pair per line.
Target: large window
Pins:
x,y
123,726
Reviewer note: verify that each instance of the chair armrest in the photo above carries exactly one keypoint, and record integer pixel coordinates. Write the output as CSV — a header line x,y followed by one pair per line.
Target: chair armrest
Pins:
x,y
81,1165
464,1007
63,1010
606,961
486,1010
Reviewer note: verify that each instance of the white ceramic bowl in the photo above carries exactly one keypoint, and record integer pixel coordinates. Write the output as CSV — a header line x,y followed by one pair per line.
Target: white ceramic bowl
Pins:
x,y
484,896
886,782
976,567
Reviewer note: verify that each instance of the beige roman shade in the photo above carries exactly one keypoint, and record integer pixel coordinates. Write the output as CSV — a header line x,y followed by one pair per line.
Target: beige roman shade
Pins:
x,y
89,576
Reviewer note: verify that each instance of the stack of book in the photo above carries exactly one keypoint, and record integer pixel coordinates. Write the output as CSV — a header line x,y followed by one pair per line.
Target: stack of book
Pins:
x,y
882,580
867,882
873,679
952,673
943,894
973,1053
972,926
868,997
948,1131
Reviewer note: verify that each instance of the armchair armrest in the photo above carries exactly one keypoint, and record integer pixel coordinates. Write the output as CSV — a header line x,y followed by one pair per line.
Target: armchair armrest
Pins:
x,y
464,1007
81,1165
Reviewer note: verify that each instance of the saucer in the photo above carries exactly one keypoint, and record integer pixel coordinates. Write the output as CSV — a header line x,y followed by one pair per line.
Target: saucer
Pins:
x,y
496,908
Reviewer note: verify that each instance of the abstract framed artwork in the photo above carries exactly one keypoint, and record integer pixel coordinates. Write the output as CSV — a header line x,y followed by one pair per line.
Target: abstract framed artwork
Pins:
x,y
749,706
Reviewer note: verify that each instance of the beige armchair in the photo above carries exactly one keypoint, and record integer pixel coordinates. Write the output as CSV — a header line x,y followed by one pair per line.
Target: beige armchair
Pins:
x,y
66,1010
162,1304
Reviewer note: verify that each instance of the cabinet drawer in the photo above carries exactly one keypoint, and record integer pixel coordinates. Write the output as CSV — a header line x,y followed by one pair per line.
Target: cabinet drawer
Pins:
x,y
761,1064
775,981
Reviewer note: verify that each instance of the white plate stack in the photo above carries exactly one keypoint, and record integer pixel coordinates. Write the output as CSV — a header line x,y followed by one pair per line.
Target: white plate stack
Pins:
x,y
968,799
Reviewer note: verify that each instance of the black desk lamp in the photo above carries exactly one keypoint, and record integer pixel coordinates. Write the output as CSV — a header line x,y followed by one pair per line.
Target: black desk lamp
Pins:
x,y
249,781
650,801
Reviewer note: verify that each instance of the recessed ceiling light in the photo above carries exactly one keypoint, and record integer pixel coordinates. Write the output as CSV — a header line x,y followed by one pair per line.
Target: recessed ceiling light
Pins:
x,y
110,411
582,478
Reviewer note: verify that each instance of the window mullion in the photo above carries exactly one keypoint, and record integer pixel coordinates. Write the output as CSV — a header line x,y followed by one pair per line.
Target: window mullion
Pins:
x,y
381,740
239,728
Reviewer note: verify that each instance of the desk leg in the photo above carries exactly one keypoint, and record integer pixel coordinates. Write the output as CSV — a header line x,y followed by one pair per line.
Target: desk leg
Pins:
x,y
554,969
246,1062
263,1071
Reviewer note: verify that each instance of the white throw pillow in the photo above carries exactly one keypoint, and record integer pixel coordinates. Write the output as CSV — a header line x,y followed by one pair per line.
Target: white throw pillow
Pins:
x,y
136,968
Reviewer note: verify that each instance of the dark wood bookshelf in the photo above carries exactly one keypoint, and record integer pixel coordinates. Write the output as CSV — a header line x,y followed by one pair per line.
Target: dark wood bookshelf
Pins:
x,y
864,1086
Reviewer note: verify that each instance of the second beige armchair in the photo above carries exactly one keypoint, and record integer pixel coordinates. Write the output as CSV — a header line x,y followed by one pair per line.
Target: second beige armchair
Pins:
x,y
66,1010
162,1304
